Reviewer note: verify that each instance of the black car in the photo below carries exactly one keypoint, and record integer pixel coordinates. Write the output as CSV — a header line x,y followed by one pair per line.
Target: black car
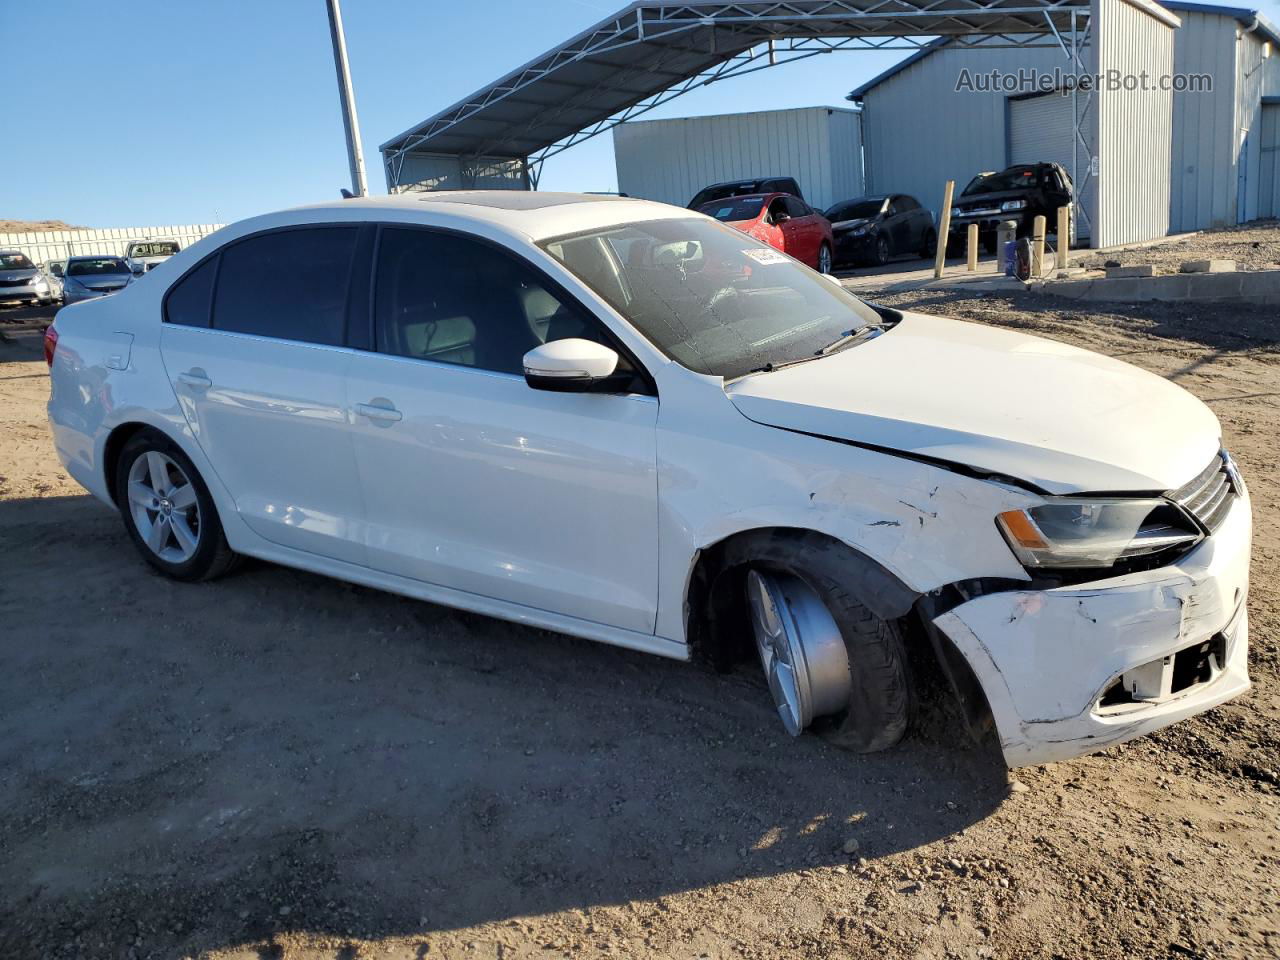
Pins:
x,y
742,188
873,229
1021,193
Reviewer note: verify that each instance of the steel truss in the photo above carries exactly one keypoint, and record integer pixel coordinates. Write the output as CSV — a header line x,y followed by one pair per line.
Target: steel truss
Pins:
x,y
726,40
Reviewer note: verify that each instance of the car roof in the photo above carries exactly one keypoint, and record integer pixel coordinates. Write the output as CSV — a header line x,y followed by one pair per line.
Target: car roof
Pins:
x,y
95,256
537,215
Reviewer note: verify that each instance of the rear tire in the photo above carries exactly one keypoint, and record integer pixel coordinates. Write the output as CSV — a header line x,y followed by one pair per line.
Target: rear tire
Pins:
x,y
168,510
880,701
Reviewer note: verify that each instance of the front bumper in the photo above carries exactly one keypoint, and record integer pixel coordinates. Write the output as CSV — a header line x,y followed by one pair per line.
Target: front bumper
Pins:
x,y
78,295
1051,661
989,224
26,291
848,247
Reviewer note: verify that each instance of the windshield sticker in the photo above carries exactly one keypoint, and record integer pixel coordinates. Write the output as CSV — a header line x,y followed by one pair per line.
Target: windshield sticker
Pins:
x,y
766,255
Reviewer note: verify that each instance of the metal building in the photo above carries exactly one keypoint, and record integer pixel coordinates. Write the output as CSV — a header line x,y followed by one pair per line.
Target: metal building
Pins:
x,y
652,51
1222,166
671,160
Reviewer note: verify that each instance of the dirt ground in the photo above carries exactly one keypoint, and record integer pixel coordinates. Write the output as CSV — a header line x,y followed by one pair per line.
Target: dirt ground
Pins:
x,y
1253,246
280,765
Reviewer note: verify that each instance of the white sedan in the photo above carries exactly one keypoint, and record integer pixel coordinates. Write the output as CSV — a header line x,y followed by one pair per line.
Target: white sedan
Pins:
x,y
627,422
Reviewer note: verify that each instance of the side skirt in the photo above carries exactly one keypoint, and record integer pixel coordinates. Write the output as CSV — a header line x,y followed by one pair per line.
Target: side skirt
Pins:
x,y
462,600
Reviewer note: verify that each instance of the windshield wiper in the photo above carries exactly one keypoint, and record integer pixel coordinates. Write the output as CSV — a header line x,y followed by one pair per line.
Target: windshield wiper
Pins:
x,y
853,336
868,332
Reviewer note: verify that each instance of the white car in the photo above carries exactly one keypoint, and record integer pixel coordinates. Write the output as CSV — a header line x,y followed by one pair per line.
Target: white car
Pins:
x,y
624,421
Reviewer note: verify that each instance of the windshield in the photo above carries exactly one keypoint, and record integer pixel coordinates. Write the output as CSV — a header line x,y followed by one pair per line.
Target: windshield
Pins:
x,y
154,248
722,190
96,266
710,297
734,208
856,209
1015,178
14,261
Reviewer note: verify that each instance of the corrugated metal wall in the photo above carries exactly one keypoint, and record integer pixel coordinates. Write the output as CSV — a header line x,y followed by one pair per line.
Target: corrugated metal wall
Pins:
x,y
670,160
1202,168
1269,180
919,131
59,244
1134,127
1257,76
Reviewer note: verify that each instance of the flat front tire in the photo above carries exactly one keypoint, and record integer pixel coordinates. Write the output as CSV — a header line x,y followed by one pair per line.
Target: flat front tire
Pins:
x,y
168,511
831,664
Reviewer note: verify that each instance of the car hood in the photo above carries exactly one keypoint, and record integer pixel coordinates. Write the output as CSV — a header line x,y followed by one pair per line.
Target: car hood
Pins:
x,y
985,200
839,226
1063,419
97,280
22,273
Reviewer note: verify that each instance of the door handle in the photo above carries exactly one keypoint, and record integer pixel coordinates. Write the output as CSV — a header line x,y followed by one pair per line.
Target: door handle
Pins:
x,y
382,411
196,379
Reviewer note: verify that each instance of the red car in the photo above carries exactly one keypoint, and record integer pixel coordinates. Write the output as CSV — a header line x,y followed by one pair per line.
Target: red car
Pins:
x,y
782,221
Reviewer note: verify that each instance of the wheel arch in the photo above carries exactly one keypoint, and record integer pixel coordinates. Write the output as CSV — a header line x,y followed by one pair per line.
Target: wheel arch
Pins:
x,y
114,446
711,617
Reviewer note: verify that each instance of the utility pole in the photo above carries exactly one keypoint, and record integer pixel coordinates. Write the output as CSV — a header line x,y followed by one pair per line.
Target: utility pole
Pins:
x,y
355,154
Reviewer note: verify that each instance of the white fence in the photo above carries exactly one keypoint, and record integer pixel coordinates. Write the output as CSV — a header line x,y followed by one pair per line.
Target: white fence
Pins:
x,y
43,246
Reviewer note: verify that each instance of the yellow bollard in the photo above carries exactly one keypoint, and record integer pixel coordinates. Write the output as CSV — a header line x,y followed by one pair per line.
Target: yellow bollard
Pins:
x,y
973,247
944,228
1064,237
1037,247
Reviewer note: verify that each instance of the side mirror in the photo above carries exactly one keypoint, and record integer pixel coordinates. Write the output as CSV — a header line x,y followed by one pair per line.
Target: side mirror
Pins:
x,y
781,217
138,269
572,365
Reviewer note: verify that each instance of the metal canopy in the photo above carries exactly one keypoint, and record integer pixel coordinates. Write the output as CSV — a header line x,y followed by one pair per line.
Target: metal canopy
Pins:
x,y
650,53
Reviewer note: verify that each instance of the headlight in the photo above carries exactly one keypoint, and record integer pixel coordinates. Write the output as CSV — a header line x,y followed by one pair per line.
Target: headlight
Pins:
x,y
859,231
956,211
1012,205
1065,532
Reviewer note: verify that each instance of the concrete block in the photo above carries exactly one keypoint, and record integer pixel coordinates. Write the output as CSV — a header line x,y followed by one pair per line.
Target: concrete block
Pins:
x,y
1066,273
1209,266
1215,286
1124,273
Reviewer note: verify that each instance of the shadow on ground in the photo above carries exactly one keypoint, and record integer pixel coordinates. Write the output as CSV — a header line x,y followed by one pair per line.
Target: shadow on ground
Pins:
x,y
206,765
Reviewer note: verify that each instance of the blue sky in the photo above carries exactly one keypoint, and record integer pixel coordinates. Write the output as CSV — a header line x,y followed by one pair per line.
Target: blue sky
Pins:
x,y
195,111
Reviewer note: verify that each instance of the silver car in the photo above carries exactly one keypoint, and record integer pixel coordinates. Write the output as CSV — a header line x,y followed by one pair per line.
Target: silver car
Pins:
x,y
88,277
22,280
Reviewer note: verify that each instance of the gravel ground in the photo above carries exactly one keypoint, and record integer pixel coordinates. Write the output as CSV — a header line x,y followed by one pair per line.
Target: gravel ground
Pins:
x,y
1253,246
280,765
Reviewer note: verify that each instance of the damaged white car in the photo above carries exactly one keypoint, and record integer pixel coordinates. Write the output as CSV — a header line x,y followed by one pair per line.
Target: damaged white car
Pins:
x,y
627,422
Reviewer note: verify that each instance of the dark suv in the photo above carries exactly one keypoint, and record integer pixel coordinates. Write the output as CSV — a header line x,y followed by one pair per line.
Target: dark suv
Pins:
x,y
743,188
1020,193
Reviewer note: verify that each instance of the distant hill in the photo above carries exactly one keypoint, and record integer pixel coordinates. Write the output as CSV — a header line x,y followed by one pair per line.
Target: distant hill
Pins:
x,y
34,226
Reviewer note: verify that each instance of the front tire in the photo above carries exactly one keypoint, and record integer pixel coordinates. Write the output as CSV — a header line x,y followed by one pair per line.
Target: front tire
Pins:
x,y
168,510
824,258
881,255
859,698
929,248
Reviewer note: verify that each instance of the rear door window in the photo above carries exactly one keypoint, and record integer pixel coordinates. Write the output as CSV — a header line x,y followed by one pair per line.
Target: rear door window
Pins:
x,y
287,284
187,303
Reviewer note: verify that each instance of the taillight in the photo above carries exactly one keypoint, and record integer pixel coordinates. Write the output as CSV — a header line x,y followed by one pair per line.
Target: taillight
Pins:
x,y
50,344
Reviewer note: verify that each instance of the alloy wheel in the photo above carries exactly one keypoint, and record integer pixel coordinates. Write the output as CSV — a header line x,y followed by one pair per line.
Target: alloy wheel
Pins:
x,y
824,259
164,507
804,657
